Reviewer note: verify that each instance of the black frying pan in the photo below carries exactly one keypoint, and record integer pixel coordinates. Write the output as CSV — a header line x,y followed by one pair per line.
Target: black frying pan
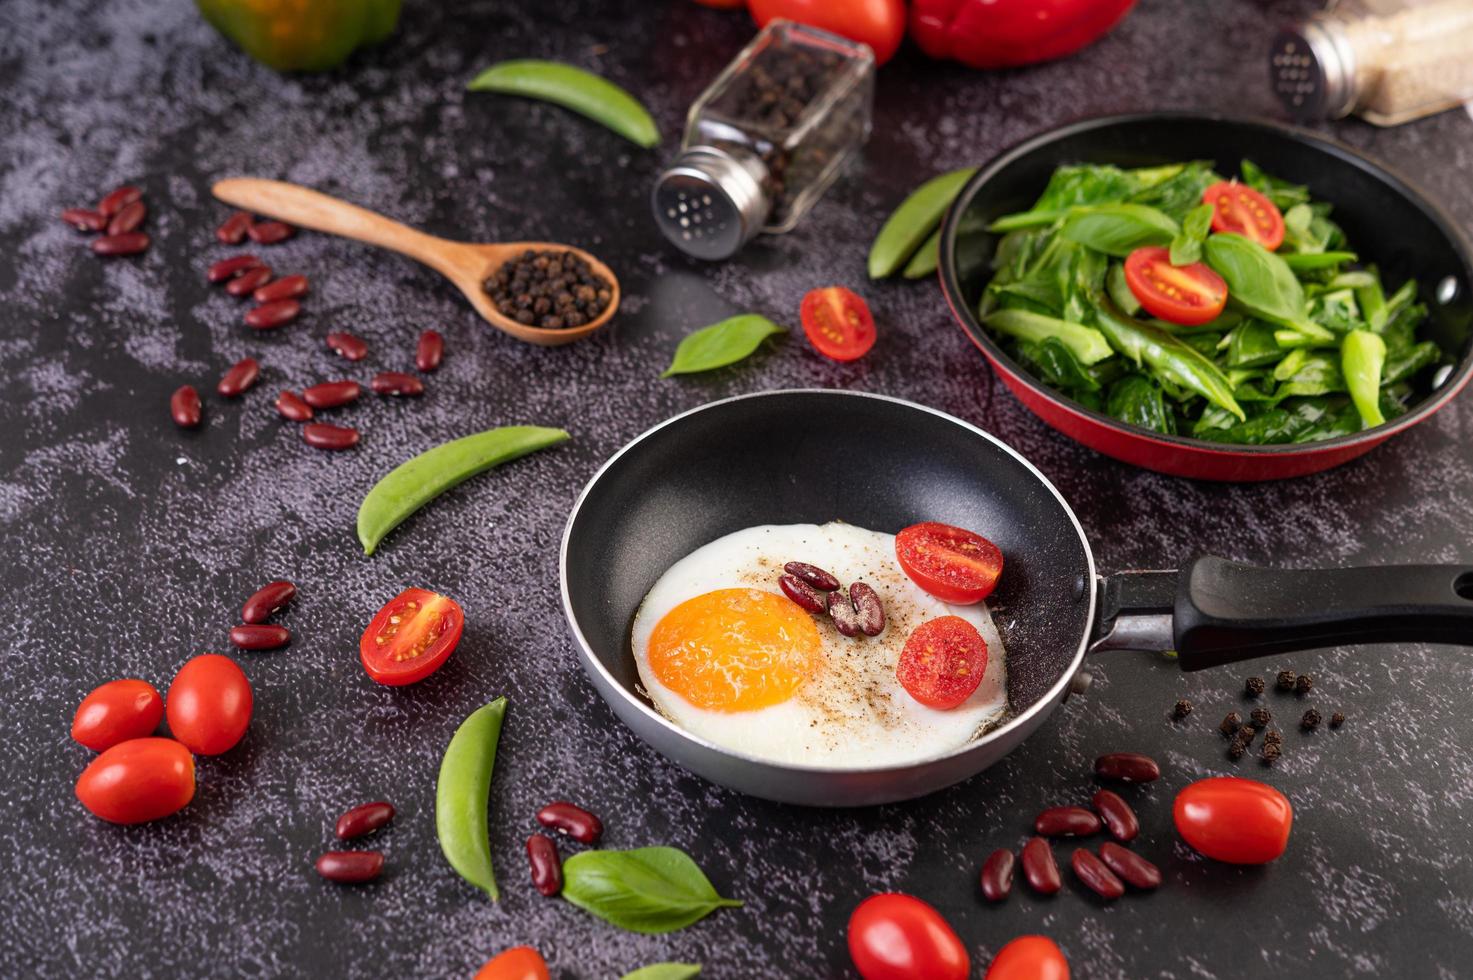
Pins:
x,y
816,456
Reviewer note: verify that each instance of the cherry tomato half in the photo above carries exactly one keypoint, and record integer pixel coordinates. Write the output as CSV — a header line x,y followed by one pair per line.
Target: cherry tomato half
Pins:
x,y
900,937
942,662
1239,208
138,780
838,323
878,23
1184,294
1239,821
517,963
117,711
951,563
209,706
411,637
1029,958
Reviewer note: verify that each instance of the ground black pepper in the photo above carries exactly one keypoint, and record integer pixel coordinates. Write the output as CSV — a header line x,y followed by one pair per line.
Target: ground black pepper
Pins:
x,y
1310,721
1181,709
1230,724
1286,680
1261,717
1254,686
1303,684
1337,719
549,288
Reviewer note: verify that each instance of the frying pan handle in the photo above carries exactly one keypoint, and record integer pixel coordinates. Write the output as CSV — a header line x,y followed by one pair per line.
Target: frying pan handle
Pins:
x,y
1226,611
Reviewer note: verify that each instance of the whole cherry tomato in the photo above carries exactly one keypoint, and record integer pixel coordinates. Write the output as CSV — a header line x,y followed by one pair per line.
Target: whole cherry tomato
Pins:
x,y
209,704
900,937
1242,210
878,23
517,963
138,780
1240,821
117,711
1029,958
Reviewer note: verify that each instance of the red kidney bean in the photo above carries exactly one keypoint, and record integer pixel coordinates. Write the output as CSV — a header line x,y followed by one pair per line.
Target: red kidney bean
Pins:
x,y
128,218
269,316
232,230
325,436
269,232
1066,821
803,594
128,244
1039,867
84,219
997,875
332,394
1130,767
118,199
260,636
249,281
841,611
291,406
266,600
287,287
231,267
397,383
576,822
185,406
813,575
428,352
241,376
1119,818
869,609
1092,871
351,867
547,870
1130,866
363,820
348,346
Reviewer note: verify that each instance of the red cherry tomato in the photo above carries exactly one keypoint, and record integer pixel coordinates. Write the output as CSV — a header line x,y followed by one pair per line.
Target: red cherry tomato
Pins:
x,y
951,563
411,637
117,711
1004,33
838,323
1184,294
1240,209
878,23
138,780
1029,958
900,937
517,963
209,704
1240,821
943,662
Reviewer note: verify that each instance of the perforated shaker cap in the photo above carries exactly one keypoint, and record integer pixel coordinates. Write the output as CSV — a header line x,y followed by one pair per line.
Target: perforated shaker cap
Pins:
x,y
710,203
1312,68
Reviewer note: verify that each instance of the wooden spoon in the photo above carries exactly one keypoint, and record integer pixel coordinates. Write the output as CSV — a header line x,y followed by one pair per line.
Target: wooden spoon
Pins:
x,y
463,263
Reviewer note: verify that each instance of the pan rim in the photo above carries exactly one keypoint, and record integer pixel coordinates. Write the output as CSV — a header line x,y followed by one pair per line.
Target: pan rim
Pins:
x,y
1040,705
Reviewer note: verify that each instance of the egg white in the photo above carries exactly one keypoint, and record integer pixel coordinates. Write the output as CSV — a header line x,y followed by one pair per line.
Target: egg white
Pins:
x,y
852,713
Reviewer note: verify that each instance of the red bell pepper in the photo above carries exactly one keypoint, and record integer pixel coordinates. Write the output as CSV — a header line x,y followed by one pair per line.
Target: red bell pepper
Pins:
x,y
1005,33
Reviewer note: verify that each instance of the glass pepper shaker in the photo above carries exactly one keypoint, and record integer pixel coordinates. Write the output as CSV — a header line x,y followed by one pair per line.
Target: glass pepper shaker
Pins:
x,y
766,139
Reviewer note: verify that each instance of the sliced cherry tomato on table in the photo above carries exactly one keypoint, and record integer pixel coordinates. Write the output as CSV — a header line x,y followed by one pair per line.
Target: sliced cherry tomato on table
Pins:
x,y
411,637
517,963
942,662
1185,294
951,563
899,937
1239,208
1029,958
838,323
209,706
116,712
138,780
878,23
1239,821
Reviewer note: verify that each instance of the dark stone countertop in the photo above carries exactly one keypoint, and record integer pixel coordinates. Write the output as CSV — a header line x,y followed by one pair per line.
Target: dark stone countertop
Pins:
x,y
129,545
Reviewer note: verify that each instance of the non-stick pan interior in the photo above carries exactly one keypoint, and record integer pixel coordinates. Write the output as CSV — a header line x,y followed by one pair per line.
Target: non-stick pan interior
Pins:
x,y
816,456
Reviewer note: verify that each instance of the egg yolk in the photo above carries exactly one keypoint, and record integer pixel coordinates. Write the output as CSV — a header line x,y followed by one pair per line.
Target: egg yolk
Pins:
x,y
735,649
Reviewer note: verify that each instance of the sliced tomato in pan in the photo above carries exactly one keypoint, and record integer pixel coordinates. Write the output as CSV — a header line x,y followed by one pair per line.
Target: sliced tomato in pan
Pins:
x,y
1240,209
1184,294
951,563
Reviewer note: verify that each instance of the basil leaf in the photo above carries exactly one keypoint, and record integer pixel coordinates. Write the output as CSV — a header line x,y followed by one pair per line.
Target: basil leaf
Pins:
x,y
721,344
1085,343
649,889
1258,280
1186,247
1137,400
1119,229
664,971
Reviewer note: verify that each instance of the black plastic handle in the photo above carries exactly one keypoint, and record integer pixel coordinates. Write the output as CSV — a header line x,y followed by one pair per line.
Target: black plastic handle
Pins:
x,y
1226,611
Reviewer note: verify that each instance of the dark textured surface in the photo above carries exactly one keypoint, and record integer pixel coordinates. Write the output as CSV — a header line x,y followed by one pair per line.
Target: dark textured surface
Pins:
x,y
130,545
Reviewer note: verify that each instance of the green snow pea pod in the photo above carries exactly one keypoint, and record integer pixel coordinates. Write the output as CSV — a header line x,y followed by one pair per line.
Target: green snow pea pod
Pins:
x,y
572,88
411,485
462,796
1362,355
1169,357
913,221
926,259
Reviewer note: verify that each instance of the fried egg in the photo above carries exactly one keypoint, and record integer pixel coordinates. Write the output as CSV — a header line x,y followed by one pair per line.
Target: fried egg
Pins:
x,y
722,653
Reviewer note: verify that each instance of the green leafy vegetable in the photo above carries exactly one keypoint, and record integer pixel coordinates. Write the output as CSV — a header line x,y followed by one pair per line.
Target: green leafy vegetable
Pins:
x,y
664,971
1085,343
1172,359
648,890
1258,280
721,344
1137,400
1363,355
1119,229
1186,247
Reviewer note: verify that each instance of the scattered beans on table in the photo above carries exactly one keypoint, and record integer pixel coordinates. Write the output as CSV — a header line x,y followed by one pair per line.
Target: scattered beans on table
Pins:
x,y
547,869
130,243
267,600
351,867
239,379
397,383
363,820
347,346
429,351
290,406
324,436
249,281
1066,821
229,268
1130,767
332,394
269,232
572,820
997,875
232,230
185,407
1130,867
269,316
1116,815
1039,867
128,218
260,636
287,287
118,199
1095,874
84,219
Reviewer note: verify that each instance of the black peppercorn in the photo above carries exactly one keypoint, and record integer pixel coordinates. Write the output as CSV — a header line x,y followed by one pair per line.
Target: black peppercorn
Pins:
x,y
1337,719
1310,721
1181,709
1260,717
1303,684
551,288
1236,750
1254,686
1286,680
1271,752
1246,732
1274,735
1230,724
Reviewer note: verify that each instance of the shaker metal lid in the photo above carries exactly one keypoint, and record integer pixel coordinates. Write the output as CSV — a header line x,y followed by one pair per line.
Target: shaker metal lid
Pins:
x,y
1312,68
710,203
